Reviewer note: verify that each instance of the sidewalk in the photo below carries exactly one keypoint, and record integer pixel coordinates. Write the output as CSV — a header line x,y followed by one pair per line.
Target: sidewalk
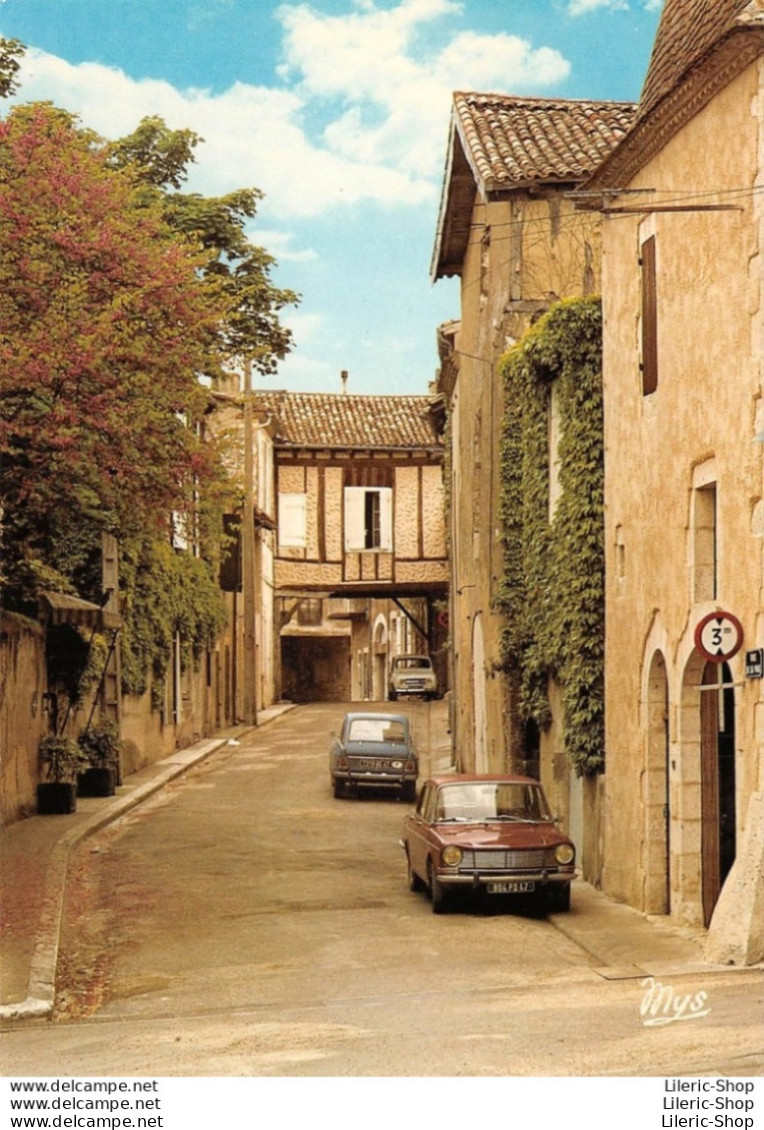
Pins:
x,y
33,862
622,942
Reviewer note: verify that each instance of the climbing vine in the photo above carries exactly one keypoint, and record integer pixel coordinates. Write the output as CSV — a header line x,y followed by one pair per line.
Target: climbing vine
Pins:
x,y
164,593
552,592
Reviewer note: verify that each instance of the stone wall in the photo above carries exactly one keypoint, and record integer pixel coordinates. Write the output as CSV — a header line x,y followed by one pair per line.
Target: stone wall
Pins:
x,y
22,714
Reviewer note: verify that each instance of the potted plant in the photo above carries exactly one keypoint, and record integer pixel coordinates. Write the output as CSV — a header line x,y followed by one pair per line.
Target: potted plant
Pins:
x,y
61,759
100,747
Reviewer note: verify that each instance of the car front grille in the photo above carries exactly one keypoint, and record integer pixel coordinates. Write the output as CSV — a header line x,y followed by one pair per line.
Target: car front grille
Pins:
x,y
531,860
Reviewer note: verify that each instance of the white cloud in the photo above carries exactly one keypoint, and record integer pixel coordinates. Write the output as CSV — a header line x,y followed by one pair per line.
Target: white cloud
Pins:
x,y
395,101
279,244
581,7
372,80
253,136
305,327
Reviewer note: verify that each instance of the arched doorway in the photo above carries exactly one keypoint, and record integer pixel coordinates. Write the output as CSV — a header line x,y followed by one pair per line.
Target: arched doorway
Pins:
x,y
657,814
478,696
717,782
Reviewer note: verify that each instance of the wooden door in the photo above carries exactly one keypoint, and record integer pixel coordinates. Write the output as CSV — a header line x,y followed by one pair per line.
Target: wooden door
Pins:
x,y
717,775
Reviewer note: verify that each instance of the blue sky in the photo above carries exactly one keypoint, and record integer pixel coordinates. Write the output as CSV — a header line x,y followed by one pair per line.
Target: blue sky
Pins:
x,y
338,111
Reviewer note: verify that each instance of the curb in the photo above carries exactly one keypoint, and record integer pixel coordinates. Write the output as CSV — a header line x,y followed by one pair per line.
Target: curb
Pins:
x,y
41,991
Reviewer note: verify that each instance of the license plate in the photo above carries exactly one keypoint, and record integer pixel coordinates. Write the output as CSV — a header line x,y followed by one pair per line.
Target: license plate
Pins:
x,y
511,887
366,764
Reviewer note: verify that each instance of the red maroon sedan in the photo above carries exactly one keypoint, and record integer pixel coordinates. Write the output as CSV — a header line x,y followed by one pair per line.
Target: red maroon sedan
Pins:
x,y
491,834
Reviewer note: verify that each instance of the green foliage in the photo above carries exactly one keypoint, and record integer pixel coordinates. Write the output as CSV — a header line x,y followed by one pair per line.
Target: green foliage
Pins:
x,y
552,594
11,51
104,328
61,759
100,745
75,659
156,159
164,593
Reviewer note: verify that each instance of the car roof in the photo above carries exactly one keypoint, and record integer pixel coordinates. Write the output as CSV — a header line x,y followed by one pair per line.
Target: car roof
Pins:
x,y
353,715
481,778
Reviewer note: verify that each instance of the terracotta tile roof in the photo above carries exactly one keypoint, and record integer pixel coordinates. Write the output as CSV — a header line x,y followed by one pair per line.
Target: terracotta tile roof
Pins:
x,y
511,142
499,142
688,29
320,420
700,46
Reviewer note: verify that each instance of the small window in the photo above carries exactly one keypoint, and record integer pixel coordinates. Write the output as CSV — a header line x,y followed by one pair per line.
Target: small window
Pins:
x,y
649,318
309,613
368,519
704,543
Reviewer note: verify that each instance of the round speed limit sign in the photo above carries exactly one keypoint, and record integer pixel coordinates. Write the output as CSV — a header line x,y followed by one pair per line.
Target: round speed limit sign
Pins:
x,y
719,636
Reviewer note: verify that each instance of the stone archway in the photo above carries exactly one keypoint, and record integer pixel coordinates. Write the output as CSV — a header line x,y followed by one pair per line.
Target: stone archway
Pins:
x,y
480,736
657,843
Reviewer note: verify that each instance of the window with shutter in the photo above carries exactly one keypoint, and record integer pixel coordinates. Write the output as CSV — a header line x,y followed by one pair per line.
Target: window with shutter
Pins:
x,y
368,519
649,318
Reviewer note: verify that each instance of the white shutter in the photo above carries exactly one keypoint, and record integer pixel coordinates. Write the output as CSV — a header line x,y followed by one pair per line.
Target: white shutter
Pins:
x,y
293,520
386,519
354,519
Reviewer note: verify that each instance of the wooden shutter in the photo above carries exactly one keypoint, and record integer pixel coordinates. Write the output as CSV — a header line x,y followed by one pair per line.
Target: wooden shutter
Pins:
x,y
386,520
649,319
355,499
709,791
293,520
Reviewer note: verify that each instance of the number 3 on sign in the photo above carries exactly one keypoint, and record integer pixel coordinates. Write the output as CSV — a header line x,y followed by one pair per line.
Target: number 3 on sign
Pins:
x,y
719,636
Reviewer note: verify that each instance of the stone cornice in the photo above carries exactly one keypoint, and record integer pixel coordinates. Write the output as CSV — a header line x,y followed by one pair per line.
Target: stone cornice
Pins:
x,y
653,132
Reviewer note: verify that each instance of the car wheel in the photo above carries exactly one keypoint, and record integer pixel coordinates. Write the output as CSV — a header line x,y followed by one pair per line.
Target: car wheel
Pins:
x,y
415,883
338,788
393,696
438,892
558,899
408,792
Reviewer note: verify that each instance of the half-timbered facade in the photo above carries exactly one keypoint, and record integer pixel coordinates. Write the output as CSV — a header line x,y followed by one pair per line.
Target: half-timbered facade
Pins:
x,y
360,540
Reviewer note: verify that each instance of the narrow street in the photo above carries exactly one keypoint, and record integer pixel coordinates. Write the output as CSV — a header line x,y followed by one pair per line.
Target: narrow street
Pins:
x,y
247,923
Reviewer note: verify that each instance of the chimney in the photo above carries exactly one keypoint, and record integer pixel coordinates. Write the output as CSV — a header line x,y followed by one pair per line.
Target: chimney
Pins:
x,y
344,379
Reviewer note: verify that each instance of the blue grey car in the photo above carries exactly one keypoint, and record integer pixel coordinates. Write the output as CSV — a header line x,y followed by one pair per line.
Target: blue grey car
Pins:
x,y
374,751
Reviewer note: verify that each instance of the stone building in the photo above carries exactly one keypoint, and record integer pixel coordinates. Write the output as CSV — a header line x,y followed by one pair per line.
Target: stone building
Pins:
x,y
509,230
683,291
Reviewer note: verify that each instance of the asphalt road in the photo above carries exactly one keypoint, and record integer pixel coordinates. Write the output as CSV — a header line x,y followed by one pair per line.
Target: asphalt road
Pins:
x,y
247,923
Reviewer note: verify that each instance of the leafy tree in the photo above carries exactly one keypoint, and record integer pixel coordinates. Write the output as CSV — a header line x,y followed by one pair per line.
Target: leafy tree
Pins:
x,y
11,51
157,158
105,324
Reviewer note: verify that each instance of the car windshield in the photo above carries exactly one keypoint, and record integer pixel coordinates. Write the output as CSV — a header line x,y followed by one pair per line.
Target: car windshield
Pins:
x,y
492,800
376,730
411,662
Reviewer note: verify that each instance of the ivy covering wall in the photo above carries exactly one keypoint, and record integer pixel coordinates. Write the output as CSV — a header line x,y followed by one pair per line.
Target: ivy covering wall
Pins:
x,y
164,593
552,593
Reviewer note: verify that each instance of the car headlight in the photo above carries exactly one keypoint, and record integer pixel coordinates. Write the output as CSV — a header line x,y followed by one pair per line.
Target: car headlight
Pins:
x,y
564,853
452,855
